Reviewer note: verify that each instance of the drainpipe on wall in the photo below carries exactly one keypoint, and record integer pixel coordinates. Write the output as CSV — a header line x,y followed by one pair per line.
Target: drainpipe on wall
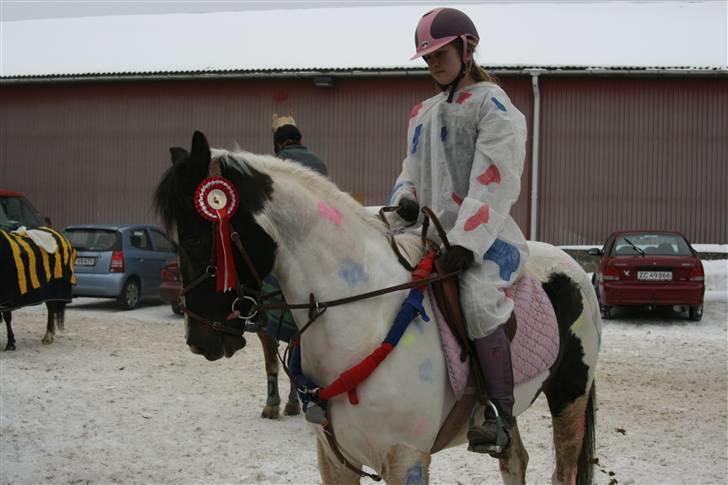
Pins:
x,y
535,131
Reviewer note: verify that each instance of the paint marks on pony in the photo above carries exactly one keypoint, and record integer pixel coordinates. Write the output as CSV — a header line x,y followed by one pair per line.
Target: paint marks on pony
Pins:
x,y
352,273
426,370
329,213
421,426
415,475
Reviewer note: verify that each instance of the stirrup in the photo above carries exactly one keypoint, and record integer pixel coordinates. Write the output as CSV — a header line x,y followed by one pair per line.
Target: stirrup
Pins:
x,y
501,448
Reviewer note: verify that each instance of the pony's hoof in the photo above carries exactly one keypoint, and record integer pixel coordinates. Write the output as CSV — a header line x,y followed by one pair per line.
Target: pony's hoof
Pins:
x,y
47,339
9,347
270,412
292,409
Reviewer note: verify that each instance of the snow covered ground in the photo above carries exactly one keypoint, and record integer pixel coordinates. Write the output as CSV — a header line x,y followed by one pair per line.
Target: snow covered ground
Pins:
x,y
118,398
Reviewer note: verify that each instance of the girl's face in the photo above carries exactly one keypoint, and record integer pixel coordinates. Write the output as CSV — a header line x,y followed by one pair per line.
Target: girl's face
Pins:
x,y
444,64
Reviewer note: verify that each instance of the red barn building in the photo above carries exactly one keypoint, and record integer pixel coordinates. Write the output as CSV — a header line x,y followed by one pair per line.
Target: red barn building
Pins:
x,y
609,148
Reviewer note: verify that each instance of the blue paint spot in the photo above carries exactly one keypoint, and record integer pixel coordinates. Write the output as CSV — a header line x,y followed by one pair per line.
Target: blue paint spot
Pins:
x,y
443,133
352,272
498,104
416,137
506,256
415,475
394,191
426,369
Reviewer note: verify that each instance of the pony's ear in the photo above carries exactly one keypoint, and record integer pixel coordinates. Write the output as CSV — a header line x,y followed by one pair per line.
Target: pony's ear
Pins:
x,y
200,153
178,154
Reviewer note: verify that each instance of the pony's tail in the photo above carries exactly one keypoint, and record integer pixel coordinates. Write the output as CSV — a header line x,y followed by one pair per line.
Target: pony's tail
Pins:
x,y
586,461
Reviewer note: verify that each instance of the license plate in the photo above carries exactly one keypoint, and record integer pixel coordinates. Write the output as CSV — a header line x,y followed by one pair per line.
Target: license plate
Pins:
x,y
85,261
654,275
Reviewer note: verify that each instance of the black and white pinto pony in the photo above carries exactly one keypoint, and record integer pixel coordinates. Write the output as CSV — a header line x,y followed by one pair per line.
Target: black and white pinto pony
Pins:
x,y
271,408
319,241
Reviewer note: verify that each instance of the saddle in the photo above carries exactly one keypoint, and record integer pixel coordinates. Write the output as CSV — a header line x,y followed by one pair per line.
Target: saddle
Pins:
x,y
447,297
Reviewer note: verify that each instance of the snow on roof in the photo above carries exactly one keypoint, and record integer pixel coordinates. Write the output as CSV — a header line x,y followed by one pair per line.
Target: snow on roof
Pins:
x,y
607,34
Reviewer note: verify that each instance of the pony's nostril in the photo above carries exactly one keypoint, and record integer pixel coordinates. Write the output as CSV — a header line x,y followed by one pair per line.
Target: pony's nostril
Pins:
x,y
194,349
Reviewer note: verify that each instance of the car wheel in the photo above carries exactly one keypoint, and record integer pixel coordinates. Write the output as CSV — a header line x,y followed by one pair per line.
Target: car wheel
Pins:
x,y
129,297
606,311
695,313
176,309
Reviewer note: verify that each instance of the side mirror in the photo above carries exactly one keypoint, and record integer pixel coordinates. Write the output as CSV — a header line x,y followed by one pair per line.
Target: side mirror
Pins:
x,y
595,252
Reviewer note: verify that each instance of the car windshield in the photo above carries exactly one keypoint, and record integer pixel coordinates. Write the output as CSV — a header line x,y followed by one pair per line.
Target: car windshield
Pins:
x,y
84,239
652,244
16,212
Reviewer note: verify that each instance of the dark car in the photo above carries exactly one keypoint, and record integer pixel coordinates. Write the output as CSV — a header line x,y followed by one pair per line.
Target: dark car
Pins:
x,y
17,211
121,261
649,268
171,285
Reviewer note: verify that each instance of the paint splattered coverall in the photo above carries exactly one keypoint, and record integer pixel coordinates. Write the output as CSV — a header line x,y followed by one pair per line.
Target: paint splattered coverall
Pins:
x,y
464,160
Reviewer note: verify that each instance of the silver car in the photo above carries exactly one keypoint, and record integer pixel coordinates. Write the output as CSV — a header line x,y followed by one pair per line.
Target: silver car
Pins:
x,y
119,261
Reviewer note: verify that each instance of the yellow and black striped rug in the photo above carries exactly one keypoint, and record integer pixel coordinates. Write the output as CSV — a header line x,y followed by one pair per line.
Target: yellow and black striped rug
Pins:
x,y
30,275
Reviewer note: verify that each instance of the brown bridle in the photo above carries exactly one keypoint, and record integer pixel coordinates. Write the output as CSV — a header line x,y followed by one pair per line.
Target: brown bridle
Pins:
x,y
314,307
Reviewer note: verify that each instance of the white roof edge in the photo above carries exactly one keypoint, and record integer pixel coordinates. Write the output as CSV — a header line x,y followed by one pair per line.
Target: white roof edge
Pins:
x,y
610,34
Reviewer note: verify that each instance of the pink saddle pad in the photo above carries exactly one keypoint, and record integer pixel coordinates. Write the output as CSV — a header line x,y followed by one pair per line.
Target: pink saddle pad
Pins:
x,y
534,347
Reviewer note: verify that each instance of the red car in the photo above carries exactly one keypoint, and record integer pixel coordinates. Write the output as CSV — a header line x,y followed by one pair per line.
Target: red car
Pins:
x,y
649,268
171,286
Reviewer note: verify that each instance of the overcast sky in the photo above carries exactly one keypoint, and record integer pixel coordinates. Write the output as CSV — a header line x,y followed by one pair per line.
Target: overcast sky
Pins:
x,y
41,9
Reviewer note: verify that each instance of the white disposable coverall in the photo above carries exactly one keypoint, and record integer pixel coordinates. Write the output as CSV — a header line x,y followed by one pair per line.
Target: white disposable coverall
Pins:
x,y
464,161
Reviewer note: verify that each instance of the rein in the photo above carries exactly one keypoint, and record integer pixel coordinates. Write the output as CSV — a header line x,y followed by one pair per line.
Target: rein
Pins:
x,y
315,308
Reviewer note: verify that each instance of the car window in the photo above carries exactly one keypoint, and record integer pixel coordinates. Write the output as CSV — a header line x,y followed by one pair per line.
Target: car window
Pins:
x,y
84,239
652,244
161,243
17,211
139,239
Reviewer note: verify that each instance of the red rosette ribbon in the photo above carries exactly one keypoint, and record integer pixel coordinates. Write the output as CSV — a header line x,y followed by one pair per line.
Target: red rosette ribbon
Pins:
x,y
216,200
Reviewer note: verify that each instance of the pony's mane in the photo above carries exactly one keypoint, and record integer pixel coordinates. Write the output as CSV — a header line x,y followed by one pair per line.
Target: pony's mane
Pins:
x,y
242,161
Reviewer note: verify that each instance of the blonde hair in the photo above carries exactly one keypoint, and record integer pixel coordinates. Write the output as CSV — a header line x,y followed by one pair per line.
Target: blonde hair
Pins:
x,y
474,70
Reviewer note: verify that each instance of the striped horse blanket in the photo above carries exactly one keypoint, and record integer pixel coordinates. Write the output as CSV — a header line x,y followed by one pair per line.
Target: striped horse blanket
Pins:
x,y
30,275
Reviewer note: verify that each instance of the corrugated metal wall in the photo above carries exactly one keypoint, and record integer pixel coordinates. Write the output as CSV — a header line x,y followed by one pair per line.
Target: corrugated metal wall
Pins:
x,y
94,152
624,153
614,153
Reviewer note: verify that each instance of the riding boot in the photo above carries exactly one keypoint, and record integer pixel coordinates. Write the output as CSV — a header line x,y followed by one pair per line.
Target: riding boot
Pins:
x,y
494,435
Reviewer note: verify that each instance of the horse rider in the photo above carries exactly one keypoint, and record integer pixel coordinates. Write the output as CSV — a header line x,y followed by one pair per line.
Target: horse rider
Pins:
x,y
466,149
287,144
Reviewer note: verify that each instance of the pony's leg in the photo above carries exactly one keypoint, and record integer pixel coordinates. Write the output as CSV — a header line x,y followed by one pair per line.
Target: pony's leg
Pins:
x,y
569,427
273,400
407,466
333,472
51,325
7,316
293,407
513,469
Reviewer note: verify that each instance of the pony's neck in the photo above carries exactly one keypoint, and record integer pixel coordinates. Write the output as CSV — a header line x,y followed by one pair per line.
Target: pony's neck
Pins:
x,y
326,245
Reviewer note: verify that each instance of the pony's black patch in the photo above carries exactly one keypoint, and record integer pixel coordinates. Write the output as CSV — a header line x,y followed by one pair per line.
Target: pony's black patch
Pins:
x,y
569,374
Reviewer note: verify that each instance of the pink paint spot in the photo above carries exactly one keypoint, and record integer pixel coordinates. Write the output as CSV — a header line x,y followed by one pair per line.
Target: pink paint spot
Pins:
x,y
508,292
421,426
415,109
458,200
330,213
463,96
490,176
581,426
479,218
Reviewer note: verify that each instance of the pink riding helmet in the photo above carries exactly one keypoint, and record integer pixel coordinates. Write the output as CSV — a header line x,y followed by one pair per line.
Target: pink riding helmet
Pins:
x,y
441,26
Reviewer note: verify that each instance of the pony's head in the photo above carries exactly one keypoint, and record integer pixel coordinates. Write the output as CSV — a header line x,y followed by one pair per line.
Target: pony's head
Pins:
x,y
207,310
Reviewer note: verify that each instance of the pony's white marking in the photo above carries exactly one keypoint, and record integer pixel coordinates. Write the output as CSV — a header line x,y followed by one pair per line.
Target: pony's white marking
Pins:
x,y
404,402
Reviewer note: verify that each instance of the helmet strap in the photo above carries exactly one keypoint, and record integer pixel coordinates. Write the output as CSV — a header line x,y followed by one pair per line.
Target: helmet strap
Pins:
x,y
454,85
